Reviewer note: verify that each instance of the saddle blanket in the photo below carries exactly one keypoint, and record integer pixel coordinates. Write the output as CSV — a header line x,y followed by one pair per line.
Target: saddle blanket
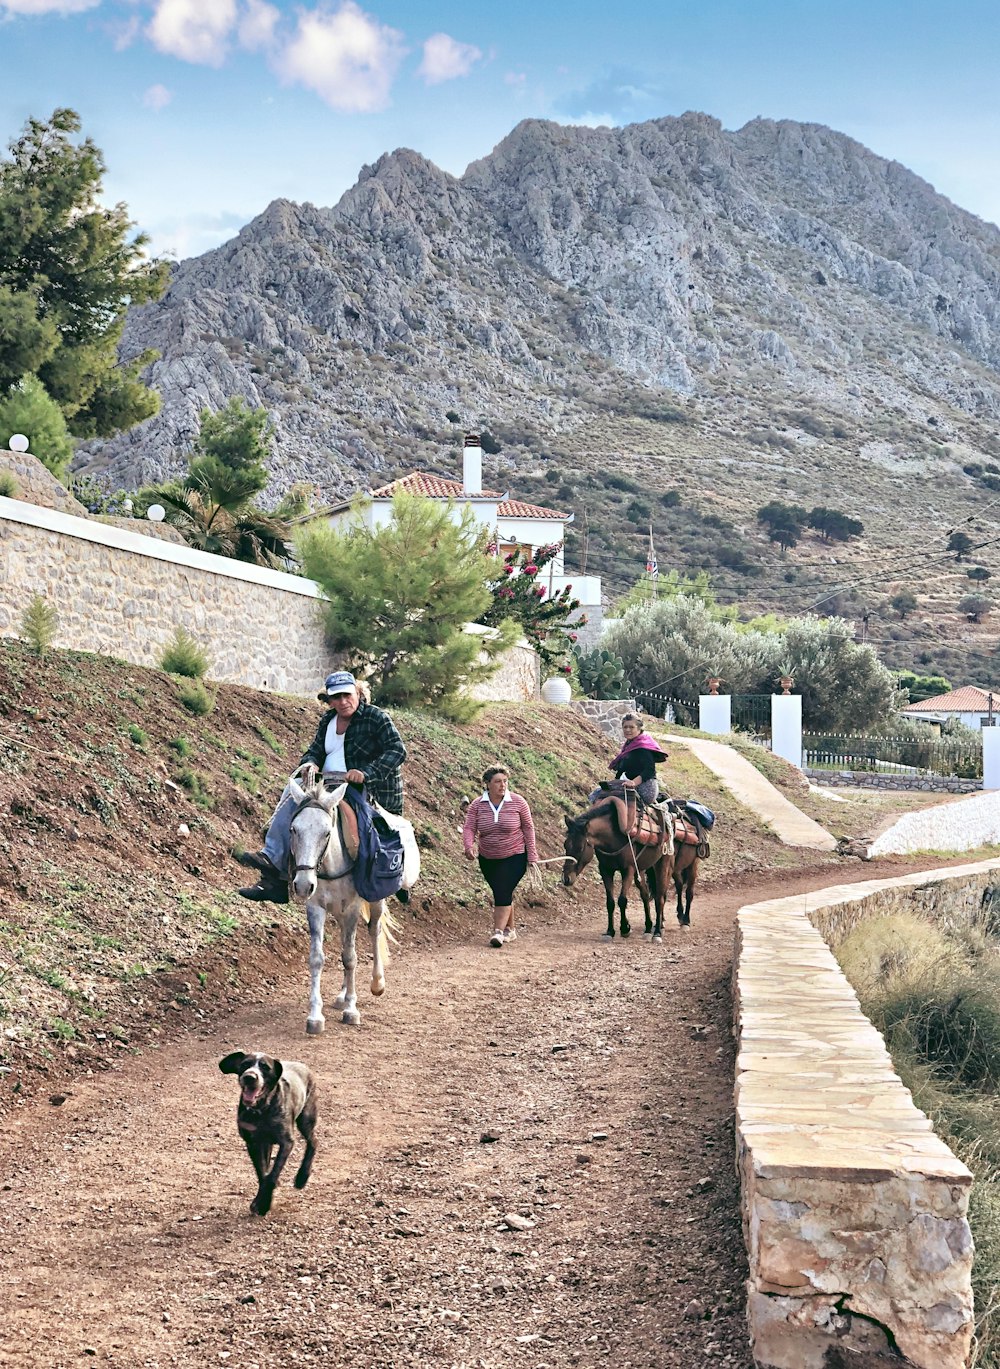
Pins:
x,y
685,831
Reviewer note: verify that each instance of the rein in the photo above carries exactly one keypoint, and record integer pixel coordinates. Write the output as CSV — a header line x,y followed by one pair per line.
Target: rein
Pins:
x,y
314,803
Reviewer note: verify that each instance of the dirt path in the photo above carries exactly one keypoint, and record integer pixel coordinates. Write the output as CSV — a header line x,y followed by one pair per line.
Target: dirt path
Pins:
x,y
125,1237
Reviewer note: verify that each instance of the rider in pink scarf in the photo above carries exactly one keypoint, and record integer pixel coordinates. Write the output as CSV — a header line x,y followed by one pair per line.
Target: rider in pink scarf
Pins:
x,y
635,765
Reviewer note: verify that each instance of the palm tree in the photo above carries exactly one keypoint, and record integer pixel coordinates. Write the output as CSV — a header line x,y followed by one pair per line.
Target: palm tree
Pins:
x,y
212,511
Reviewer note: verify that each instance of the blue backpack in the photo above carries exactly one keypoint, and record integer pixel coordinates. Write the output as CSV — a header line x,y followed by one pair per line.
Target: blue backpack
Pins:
x,y
378,870
704,815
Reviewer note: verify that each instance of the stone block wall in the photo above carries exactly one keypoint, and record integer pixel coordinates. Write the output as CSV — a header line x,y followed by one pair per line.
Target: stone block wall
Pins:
x,y
868,779
122,593
605,714
854,1211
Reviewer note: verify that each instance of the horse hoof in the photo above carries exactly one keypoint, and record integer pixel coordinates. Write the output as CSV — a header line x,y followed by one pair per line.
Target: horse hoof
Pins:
x,y
626,932
378,987
315,1026
351,1017
657,939
608,936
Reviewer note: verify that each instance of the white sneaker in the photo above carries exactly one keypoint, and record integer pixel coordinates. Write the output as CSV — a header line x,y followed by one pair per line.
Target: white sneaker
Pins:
x,y
496,939
509,935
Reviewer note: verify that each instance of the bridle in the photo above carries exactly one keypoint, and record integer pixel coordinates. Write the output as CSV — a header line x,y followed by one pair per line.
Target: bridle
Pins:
x,y
296,869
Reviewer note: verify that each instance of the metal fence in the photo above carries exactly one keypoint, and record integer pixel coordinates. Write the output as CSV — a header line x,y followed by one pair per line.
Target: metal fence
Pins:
x,y
894,755
667,706
751,713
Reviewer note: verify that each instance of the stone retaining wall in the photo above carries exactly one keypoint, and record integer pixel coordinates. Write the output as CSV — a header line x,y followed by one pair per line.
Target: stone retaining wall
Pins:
x,y
869,779
963,825
606,714
121,593
854,1211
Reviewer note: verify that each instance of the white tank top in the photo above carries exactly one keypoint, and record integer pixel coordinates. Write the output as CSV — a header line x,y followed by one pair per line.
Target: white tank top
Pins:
x,y
335,759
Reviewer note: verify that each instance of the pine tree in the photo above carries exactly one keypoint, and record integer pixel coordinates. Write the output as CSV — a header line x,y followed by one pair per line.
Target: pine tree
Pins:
x,y
213,508
400,597
39,624
68,273
28,409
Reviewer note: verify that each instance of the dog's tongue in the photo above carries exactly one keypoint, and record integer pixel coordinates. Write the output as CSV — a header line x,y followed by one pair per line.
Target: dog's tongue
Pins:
x,y
250,1096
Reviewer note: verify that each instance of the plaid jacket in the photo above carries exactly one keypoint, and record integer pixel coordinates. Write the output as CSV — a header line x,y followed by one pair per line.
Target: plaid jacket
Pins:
x,y
371,744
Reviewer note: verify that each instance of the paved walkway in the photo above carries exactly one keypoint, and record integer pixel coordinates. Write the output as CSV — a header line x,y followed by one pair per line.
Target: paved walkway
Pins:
x,y
747,784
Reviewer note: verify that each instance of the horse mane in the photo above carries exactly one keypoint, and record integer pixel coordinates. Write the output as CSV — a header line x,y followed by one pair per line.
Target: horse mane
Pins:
x,y
604,808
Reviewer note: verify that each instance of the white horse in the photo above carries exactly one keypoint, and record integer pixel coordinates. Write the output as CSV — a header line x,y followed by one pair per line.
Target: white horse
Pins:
x,y
321,872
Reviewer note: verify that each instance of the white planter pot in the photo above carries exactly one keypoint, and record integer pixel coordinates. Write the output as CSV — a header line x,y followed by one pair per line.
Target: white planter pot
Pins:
x,y
556,690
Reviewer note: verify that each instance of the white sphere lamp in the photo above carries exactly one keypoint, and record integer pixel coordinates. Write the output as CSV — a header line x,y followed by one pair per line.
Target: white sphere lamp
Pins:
x,y
127,507
156,513
18,443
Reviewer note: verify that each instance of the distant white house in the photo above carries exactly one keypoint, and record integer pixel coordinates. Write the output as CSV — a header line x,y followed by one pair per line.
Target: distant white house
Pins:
x,y
971,705
517,525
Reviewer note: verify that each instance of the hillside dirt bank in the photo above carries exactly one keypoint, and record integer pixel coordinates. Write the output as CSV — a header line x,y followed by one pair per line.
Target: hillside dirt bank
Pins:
x,y
585,1086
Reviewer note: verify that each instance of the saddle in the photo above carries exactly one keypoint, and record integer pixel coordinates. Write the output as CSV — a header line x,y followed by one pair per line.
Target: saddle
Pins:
x,y
688,830
642,824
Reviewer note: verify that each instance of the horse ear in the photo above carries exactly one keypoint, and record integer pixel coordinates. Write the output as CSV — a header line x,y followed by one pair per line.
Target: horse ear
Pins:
x,y
330,798
296,791
567,820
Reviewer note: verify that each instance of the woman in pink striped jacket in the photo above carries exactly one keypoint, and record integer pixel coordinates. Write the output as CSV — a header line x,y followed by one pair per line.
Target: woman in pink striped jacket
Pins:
x,y
500,821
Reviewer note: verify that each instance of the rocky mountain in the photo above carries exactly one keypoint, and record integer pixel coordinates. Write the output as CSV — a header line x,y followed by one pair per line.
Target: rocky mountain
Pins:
x,y
774,311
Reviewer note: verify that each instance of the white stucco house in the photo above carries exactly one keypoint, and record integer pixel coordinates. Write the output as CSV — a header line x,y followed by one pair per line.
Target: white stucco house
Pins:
x,y
970,705
515,523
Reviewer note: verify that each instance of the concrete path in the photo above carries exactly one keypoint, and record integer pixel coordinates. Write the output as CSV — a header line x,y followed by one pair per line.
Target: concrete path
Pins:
x,y
747,784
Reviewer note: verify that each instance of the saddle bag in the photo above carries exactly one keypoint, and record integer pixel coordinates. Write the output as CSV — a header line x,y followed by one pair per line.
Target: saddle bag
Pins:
x,y
378,870
700,813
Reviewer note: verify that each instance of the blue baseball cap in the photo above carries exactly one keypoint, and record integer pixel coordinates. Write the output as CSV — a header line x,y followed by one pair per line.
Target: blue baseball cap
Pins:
x,y
339,682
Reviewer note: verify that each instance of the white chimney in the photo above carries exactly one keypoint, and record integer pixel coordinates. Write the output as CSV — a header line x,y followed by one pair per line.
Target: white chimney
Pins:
x,y
472,465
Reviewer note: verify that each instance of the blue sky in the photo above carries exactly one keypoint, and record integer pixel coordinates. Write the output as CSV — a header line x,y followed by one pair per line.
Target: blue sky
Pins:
x,y
208,109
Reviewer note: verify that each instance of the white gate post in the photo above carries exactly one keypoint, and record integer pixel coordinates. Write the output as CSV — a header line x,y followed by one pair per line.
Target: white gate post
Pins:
x,y
786,727
991,757
715,713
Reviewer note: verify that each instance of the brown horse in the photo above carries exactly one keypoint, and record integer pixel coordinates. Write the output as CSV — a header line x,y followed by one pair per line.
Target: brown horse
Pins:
x,y
685,873
598,832
686,861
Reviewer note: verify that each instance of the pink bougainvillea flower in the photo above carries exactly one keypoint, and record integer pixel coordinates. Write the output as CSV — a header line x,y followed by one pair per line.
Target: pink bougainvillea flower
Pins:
x,y
508,570
531,568
567,669
540,591
574,636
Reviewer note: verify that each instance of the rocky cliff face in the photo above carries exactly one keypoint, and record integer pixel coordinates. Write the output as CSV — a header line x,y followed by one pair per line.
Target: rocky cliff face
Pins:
x,y
566,275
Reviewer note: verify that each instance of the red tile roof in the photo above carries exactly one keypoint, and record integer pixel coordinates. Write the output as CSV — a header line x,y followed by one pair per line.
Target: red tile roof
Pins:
x,y
513,508
436,487
968,699
431,486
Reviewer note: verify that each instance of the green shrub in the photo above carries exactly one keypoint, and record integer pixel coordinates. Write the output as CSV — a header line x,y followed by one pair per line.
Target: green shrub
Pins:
x,y
9,485
196,698
194,784
268,738
181,745
183,656
39,624
137,736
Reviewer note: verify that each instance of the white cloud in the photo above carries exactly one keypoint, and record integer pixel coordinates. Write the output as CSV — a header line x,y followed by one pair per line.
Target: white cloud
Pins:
x,y
257,24
445,58
515,78
194,30
46,6
157,97
347,57
125,34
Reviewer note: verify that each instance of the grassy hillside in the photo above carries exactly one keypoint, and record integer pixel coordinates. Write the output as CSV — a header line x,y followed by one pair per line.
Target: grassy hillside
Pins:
x,y
121,809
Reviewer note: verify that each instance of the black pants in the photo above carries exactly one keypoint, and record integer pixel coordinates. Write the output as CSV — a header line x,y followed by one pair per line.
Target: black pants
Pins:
x,y
503,876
